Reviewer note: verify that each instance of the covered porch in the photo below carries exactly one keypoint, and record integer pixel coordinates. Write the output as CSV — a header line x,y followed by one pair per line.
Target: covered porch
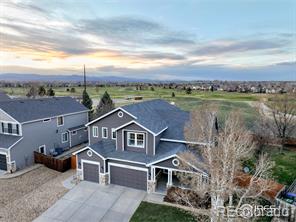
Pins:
x,y
163,178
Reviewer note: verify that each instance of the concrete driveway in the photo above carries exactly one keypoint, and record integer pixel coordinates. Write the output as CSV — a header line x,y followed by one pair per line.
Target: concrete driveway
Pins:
x,y
93,202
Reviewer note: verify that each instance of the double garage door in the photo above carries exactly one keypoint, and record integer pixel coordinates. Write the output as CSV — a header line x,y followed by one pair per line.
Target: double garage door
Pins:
x,y
3,163
122,175
129,177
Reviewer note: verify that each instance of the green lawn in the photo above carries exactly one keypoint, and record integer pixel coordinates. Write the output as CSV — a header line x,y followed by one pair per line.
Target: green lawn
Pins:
x,y
148,212
284,170
159,92
226,101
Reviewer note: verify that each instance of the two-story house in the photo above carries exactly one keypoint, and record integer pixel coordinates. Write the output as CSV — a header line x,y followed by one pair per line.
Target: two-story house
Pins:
x,y
136,146
41,125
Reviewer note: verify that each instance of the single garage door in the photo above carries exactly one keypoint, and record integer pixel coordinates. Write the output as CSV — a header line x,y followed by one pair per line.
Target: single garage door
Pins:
x,y
128,177
91,172
3,164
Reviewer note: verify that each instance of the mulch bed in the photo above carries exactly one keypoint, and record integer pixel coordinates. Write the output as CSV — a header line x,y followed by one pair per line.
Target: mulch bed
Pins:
x,y
178,196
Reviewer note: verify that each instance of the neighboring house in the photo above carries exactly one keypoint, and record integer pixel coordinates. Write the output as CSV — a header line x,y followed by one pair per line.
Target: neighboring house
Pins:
x,y
4,96
39,125
136,146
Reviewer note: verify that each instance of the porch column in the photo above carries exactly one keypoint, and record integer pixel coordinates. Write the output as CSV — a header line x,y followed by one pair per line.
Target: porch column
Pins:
x,y
170,180
152,181
153,174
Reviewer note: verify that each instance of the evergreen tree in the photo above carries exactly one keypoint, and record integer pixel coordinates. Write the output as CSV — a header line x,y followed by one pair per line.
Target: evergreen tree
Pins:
x,y
86,100
188,90
32,92
73,90
41,91
50,92
106,105
152,88
173,94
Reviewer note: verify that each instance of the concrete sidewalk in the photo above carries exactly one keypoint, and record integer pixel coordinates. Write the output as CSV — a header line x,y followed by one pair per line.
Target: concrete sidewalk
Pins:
x,y
5,175
93,202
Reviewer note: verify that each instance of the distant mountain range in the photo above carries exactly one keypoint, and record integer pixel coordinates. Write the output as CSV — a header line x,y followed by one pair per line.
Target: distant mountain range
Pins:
x,y
14,77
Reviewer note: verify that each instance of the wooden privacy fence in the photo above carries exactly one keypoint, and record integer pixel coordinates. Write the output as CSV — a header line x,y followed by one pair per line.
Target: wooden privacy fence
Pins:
x,y
60,165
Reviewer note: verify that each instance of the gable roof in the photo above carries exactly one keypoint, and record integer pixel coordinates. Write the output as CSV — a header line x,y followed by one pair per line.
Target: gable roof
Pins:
x,y
26,110
157,115
107,150
4,96
7,140
109,113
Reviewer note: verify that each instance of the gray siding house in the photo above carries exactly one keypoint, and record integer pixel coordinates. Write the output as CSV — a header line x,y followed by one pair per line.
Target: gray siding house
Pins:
x,y
39,125
136,146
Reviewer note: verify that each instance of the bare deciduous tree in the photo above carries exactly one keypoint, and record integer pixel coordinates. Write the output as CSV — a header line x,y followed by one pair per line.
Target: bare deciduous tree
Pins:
x,y
222,156
283,110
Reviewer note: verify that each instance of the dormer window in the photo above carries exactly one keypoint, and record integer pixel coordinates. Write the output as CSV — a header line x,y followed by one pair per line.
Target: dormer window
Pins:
x,y
135,139
60,120
9,128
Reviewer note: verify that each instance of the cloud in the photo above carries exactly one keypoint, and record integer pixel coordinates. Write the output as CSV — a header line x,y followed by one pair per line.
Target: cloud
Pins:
x,y
159,55
225,47
134,31
287,63
37,37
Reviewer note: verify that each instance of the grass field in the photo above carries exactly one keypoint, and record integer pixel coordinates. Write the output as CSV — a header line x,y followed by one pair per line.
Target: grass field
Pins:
x,y
224,100
160,213
284,170
159,92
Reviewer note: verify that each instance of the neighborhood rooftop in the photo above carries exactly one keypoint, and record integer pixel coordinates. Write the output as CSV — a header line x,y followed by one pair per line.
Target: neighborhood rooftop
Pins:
x,y
7,141
157,115
4,96
25,110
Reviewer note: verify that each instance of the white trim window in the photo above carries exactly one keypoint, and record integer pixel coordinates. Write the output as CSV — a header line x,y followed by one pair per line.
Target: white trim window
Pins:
x,y
60,121
10,128
95,131
120,114
104,132
135,139
42,149
113,133
65,137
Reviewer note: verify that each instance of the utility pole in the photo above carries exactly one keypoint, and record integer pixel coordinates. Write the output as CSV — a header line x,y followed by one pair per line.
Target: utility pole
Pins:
x,y
84,77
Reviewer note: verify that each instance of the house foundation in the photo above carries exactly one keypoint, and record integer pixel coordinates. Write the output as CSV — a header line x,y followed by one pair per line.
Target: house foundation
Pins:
x,y
104,179
151,186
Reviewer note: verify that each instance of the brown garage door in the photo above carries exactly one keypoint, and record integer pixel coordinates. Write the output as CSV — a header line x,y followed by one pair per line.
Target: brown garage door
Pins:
x,y
3,163
91,172
128,177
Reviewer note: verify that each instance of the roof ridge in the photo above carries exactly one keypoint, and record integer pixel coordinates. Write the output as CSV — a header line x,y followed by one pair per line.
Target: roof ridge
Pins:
x,y
35,99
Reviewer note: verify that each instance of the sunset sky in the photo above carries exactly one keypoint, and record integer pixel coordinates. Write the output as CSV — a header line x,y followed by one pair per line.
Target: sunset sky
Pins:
x,y
154,39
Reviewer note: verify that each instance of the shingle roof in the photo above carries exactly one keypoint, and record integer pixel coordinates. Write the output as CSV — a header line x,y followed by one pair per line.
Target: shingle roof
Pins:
x,y
24,110
8,140
107,149
4,97
77,128
158,114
